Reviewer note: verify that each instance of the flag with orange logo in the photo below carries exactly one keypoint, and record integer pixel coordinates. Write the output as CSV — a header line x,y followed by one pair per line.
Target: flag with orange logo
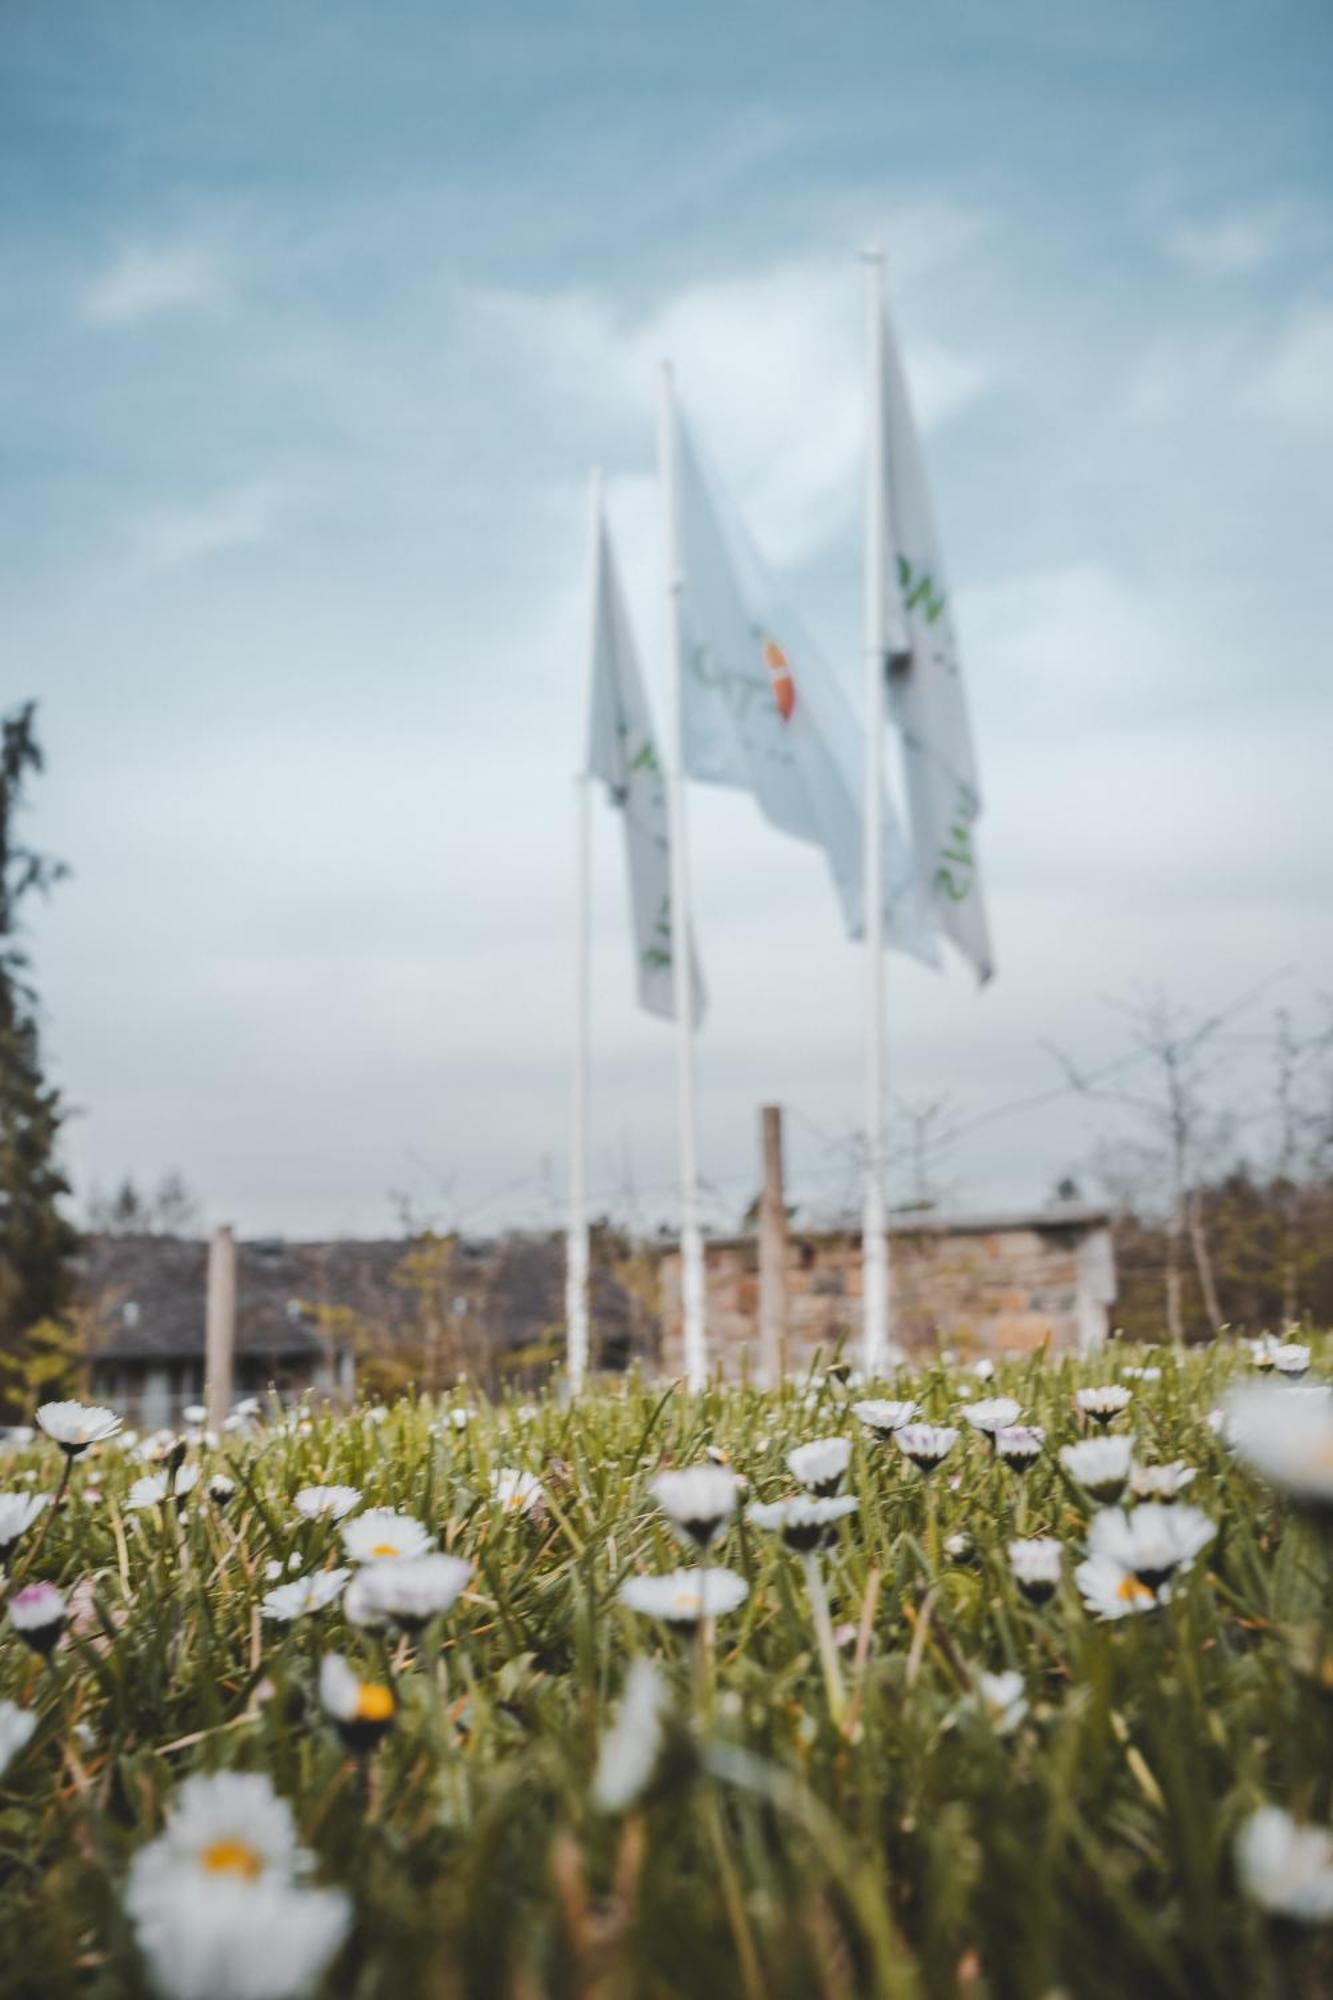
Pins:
x,y
761,710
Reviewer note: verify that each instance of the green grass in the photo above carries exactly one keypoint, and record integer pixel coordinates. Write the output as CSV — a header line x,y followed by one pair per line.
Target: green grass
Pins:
x,y
914,1851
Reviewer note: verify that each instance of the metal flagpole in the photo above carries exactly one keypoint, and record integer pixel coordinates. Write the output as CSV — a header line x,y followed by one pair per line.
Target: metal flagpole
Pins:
x,y
691,1241
576,1254
874,1228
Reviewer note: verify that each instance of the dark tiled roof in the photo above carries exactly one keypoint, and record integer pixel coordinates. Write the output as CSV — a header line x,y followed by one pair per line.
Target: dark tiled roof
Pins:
x,y
514,1285
147,1293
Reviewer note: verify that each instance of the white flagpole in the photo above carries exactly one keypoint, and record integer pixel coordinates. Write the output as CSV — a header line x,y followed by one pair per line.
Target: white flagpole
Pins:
x,y
691,1241
576,1255
874,1228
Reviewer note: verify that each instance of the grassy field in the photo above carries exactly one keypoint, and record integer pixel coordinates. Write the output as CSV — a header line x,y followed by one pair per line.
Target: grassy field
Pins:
x,y
773,1816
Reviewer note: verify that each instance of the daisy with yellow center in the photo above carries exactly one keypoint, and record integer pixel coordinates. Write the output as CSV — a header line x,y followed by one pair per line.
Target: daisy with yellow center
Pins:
x,y
217,1902
381,1535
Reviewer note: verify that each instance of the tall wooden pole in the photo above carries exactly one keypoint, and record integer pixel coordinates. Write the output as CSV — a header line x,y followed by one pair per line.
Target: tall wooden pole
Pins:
x,y
772,1251
220,1327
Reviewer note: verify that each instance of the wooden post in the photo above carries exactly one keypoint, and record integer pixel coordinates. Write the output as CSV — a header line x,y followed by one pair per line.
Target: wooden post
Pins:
x,y
772,1251
220,1327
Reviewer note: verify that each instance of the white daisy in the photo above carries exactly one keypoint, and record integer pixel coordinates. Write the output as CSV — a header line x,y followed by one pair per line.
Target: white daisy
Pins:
x,y
1291,1359
632,1747
1286,1436
74,1426
516,1492
460,1419
1286,1868
37,1613
804,1525
820,1465
959,1547
1101,1466
984,1370
1103,1403
362,1710
155,1487
409,1591
1036,1564
993,1413
376,1414
329,1503
221,1489
1152,1540
685,1595
1163,1483
217,1912
1019,1445
16,1726
927,1445
18,1511
381,1535
1111,1591
306,1594
699,1500
884,1417
1002,1699
195,1413
1142,1374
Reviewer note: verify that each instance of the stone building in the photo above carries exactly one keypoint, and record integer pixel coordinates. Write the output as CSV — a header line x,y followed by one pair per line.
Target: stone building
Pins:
x,y
983,1284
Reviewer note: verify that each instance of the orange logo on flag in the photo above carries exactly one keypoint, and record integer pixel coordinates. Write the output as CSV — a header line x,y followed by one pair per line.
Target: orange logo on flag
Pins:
x,y
784,687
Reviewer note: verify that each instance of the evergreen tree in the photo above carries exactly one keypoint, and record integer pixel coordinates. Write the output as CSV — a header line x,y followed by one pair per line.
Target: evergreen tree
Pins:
x,y
36,1242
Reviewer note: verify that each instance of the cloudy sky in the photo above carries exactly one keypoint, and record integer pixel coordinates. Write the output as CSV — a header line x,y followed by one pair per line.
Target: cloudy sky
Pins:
x,y
313,316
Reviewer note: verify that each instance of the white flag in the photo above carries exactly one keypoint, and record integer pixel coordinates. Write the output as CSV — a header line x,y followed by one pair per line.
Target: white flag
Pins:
x,y
622,752
925,691
762,711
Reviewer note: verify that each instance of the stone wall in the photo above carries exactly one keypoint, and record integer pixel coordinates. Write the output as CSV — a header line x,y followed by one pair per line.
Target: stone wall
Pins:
x,y
978,1284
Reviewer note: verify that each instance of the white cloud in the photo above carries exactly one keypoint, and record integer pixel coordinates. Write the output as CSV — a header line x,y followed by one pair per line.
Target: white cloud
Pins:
x,y
1295,380
244,517
1229,246
142,282
771,364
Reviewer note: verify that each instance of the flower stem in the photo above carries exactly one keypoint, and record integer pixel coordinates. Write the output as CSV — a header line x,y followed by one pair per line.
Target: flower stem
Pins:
x,y
828,1651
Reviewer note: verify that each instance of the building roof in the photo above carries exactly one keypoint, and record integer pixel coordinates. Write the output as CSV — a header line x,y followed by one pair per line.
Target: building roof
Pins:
x,y
147,1294
942,1222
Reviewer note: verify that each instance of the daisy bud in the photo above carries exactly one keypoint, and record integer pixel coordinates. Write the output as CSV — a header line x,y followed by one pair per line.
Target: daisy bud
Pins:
x,y
1101,1466
926,1445
1036,1566
1018,1445
699,1501
820,1465
804,1525
1103,1404
363,1711
994,1413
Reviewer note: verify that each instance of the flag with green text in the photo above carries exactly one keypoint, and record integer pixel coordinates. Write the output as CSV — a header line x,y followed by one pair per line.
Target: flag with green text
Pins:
x,y
622,752
926,697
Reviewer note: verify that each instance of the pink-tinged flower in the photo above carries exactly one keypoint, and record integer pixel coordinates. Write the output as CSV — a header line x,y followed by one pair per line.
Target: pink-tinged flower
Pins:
x,y
37,1613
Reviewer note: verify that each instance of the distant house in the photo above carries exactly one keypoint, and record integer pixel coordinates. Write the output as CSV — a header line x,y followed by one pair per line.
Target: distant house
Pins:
x,y
503,1314
147,1299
